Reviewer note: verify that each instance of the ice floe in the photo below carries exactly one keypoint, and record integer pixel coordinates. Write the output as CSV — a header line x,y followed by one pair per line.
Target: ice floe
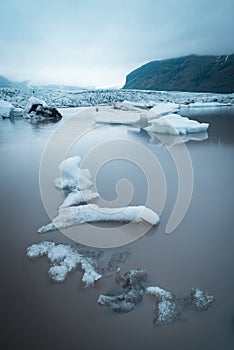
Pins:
x,y
133,286
174,124
117,116
65,258
74,215
161,109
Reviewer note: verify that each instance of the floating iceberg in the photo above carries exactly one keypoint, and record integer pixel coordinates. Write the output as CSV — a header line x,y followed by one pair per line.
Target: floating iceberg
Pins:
x,y
133,285
174,124
169,307
5,109
92,213
65,258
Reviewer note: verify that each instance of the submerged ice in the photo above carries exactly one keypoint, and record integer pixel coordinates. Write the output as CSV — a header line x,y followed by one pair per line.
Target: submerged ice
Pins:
x,y
133,286
65,258
169,307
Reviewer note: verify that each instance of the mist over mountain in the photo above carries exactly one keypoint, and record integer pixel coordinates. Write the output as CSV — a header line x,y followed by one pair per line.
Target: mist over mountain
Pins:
x,y
190,73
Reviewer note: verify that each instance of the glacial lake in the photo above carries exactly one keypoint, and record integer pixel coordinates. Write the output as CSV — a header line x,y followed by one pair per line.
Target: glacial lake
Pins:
x,y
37,313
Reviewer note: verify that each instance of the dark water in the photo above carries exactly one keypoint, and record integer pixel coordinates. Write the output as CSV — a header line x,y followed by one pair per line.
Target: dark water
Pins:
x,y
39,314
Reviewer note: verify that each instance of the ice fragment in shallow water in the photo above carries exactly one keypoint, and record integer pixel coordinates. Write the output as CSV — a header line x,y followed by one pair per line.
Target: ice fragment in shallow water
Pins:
x,y
169,307
73,178
78,197
201,300
64,259
92,213
133,284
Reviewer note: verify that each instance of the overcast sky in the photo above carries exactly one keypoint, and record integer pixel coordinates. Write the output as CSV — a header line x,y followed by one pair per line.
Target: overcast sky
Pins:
x,y
97,42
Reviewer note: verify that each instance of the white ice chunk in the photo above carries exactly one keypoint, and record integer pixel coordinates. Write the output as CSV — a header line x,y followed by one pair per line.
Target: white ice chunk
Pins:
x,y
174,124
73,178
17,112
166,311
201,299
39,249
64,259
92,213
117,117
161,109
159,292
78,197
5,108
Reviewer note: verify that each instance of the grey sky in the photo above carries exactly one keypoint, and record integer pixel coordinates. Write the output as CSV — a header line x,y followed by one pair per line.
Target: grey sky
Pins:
x,y
97,42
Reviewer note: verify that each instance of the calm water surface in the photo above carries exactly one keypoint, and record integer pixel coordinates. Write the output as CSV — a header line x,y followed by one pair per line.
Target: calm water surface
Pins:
x,y
39,314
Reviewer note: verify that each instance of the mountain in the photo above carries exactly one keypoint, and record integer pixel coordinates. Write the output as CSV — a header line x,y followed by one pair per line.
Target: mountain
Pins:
x,y
4,82
190,73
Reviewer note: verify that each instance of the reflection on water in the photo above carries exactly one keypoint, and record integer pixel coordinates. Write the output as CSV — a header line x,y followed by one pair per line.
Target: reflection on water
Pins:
x,y
39,314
